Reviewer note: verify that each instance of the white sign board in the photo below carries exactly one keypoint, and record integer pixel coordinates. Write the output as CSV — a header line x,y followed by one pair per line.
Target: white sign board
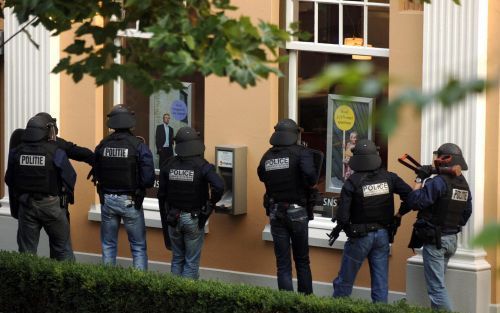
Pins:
x,y
225,158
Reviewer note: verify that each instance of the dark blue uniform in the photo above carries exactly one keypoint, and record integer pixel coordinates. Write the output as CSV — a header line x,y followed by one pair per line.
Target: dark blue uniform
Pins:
x,y
37,210
288,172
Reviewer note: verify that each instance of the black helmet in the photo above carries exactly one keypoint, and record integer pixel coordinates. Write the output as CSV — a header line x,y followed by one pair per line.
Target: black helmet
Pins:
x,y
451,149
36,129
365,157
188,143
51,124
286,133
120,118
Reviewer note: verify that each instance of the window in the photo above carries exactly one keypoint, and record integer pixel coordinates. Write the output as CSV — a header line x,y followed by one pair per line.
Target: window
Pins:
x,y
341,31
341,26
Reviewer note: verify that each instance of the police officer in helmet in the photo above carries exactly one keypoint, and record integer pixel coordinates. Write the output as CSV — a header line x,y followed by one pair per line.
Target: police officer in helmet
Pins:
x,y
444,205
38,172
74,152
365,212
288,172
124,169
186,202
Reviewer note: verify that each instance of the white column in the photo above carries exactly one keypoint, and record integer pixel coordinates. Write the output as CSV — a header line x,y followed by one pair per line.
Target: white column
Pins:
x,y
455,46
29,85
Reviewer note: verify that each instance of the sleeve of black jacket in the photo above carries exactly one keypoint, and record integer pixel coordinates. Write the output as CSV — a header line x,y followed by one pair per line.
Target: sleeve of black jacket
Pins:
x,y
215,181
74,152
307,167
402,189
344,210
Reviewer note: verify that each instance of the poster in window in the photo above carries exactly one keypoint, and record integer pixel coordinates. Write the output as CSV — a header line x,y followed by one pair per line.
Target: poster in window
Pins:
x,y
177,103
348,122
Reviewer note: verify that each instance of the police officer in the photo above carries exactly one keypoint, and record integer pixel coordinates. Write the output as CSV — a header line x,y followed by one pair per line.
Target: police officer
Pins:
x,y
38,172
124,169
74,152
288,172
184,190
444,205
365,212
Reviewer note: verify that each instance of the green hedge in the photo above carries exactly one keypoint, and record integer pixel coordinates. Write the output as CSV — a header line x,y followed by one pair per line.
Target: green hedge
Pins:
x,y
32,284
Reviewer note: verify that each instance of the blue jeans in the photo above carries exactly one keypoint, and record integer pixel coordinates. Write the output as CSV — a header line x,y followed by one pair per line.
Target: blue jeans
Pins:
x,y
116,208
293,227
187,240
435,264
375,247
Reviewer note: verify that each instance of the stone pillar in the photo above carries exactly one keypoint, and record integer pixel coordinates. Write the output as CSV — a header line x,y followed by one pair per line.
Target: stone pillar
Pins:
x,y
455,45
29,85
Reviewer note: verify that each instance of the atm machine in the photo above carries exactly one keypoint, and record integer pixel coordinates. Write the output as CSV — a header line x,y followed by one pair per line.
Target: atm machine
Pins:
x,y
231,165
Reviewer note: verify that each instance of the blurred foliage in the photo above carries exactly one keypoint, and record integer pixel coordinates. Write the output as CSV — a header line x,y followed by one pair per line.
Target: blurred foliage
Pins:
x,y
489,236
359,79
190,36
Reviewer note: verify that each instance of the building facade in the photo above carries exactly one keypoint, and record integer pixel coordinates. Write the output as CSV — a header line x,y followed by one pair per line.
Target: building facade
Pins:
x,y
419,47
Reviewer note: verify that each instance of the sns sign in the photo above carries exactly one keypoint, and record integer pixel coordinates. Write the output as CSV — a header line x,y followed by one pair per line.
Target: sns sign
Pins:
x,y
344,117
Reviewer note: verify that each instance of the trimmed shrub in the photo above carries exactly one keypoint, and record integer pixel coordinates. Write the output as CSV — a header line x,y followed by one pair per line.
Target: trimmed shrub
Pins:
x,y
33,284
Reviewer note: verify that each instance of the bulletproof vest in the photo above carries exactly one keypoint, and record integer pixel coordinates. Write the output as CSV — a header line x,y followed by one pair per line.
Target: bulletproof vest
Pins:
x,y
373,201
35,170
117,162
186,187
282,175
447,211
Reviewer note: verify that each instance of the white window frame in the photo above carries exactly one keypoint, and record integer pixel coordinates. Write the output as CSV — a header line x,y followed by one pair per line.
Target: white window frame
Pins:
x,y
319,225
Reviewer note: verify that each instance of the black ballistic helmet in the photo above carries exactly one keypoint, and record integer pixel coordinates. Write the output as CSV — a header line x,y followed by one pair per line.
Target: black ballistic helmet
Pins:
x,y
365,157
188,143
286,133
120,118
49,119
36,129
16,138
455,152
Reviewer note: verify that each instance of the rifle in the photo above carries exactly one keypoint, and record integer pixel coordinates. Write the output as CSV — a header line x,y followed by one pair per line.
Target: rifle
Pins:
x,y
438,168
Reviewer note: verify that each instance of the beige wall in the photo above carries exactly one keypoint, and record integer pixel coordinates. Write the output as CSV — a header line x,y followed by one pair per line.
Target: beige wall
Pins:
x,y
492,183
405,67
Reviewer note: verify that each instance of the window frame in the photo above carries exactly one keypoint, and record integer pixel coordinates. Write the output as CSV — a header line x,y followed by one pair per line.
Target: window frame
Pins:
x,y
294,46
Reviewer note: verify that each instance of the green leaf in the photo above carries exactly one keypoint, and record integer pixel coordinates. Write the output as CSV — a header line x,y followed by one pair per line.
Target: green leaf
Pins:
x,y
488,237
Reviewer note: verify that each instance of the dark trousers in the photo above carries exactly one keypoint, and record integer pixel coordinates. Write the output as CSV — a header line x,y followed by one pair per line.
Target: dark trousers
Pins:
x,y
293,227
46,213
68,248
165,154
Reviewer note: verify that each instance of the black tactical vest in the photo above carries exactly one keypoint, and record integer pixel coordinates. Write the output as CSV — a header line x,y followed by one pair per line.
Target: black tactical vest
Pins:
x,y
282,175
35,170
447,212
186,187
117,162
373,201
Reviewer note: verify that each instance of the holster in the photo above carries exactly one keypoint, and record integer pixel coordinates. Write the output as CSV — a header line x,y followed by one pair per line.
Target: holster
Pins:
x,y
311,202
100,193
425,232
139,198
205,213
267,202
163,216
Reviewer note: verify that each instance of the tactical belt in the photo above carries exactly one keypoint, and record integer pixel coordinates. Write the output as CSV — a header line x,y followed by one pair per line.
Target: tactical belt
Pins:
x,y
366,228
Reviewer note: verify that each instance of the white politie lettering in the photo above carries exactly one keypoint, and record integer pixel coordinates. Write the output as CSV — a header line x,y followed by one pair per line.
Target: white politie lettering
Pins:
x,y
375,189
116,152
181,175
459,195
32,160
277,164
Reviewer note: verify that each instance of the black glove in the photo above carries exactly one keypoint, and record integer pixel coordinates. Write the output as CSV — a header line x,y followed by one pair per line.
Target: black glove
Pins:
x,y
424,171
